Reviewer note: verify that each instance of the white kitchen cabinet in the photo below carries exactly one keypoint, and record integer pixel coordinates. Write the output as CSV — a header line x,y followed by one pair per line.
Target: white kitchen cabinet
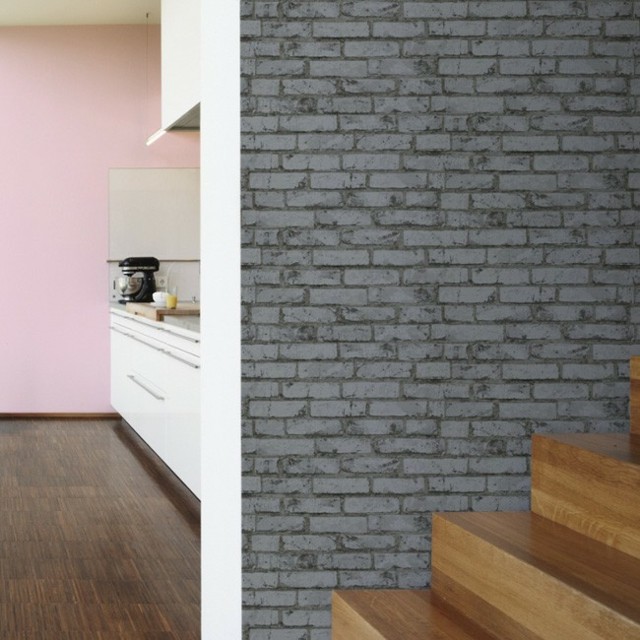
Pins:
x,y
180,62
155,386
154,212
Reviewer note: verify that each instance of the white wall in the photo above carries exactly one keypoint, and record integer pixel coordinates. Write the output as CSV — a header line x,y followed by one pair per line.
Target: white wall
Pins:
x,y
220,232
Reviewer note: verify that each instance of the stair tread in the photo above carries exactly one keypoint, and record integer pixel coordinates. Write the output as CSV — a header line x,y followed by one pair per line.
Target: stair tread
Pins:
x,y
398,615
602,573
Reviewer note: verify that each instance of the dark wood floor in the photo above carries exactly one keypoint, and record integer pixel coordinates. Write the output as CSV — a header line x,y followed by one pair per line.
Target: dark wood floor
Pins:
x,y
93,543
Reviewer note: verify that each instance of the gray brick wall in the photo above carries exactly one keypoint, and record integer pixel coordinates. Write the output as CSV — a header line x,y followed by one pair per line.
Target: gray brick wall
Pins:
x,y
441,254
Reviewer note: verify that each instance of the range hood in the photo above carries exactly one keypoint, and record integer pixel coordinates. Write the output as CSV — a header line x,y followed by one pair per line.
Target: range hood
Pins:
x,y
190,121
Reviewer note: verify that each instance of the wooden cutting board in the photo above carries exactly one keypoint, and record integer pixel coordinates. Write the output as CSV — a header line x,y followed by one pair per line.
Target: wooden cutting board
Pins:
x,y
147,310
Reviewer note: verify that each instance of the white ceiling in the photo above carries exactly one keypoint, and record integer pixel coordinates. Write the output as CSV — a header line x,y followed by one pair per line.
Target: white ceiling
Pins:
x,y
76,12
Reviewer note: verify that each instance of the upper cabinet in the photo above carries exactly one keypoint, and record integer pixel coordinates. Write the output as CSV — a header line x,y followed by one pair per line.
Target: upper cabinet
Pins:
x,y
180,29
154,212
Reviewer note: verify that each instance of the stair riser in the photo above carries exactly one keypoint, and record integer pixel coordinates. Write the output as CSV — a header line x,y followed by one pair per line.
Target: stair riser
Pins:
x,y
348,624
591,494
512,599
489,618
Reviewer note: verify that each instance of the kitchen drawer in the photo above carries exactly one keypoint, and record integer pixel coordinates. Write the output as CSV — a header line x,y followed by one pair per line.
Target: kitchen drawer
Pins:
x,y
156,342
174,337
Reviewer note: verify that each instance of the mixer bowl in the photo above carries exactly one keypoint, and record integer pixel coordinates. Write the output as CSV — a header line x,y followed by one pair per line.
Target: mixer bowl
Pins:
x,y
123,283
129,285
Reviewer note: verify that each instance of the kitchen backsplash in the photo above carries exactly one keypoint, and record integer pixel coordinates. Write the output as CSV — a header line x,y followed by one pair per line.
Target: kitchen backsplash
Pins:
x,y
185,275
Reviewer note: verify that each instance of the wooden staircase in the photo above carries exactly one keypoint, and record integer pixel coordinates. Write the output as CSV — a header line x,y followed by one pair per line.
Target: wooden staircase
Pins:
x,y
567,570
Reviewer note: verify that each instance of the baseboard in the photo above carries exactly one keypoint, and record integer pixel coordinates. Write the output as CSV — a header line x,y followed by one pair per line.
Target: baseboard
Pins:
x,y
59,416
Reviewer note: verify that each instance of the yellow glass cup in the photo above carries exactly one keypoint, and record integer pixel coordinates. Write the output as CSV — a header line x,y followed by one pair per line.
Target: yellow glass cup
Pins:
x,y
172,301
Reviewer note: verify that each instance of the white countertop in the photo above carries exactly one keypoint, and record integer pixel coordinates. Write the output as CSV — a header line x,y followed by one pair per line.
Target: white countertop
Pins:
x,y
191,323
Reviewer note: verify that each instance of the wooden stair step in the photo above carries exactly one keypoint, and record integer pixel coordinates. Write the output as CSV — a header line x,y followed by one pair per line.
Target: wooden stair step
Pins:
x,y
591,484
397,615
519,575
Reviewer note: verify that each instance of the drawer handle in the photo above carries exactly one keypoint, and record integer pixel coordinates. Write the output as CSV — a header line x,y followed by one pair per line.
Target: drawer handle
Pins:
x,y
120,331
144,386
133,337
171,355
185,337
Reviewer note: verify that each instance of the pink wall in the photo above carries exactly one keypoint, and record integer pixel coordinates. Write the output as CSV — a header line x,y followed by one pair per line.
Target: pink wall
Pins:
x,y
75,102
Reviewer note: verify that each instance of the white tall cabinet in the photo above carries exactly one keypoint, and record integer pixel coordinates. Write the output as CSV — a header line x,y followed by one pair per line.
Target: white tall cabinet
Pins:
x,y
180,59
155,387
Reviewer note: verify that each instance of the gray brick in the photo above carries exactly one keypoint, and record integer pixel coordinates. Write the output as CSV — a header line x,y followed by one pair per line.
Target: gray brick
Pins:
x,y
562,8
397,408
502,9
323,142
435,10
279,67
308,351
398,29
466,295
324,257
536,143
340,524
367,85
308,86
371,48
380,142
500,48
369,161
340,69
433,142
306,390
311,10
530,371
573,47
268,142
461,28
342,29
622,28
370,390
467,105
497,201
466,66
528,182
337,408
371,8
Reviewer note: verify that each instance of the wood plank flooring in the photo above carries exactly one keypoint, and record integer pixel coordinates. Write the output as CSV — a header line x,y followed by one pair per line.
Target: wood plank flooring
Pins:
x,y
94,542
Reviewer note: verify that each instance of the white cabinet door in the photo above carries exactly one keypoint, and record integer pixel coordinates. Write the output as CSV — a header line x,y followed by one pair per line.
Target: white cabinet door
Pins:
x,y
121,399
183,420
137,393
149,414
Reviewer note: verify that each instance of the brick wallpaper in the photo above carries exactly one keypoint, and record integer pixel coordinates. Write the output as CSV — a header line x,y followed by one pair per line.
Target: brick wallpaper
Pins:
x,y
441,254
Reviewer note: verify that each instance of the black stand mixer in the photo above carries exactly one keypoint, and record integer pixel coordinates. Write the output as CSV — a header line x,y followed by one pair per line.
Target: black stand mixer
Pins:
x,y
137,282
